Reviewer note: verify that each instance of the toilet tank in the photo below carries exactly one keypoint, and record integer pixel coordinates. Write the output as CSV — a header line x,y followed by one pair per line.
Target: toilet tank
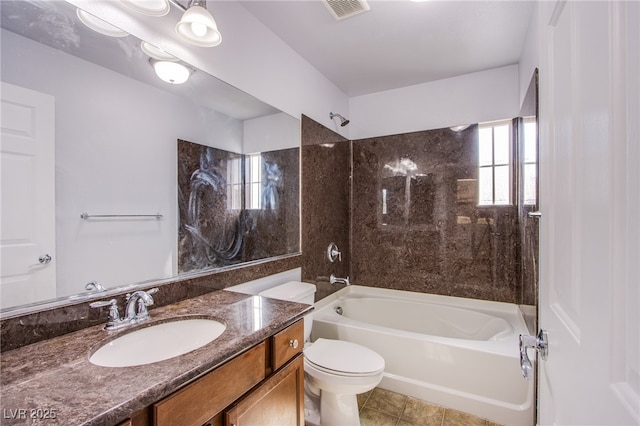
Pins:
x,y
295,291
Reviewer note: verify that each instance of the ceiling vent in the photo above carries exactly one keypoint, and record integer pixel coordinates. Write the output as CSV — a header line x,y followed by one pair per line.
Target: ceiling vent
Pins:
x,y
342,9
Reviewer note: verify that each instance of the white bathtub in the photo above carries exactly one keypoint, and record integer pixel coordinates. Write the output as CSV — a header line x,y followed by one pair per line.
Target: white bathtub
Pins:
x,y
455,352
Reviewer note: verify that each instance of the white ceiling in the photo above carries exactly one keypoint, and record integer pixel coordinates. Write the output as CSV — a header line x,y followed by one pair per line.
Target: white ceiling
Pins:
x,y
399,42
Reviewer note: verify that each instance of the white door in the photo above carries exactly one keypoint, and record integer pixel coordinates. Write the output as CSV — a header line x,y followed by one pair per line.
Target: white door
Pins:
x,y
589,229
27,232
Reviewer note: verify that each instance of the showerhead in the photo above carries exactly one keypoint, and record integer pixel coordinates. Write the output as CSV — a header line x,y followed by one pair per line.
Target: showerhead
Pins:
x,y
343,121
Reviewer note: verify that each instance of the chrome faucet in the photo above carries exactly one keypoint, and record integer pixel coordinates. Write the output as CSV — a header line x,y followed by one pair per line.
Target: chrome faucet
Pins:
x,y
137,303
136,309
114,322
333,279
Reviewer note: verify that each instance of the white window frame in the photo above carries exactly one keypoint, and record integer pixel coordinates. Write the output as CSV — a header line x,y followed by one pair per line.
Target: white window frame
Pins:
x,y
253,181
533,200
234,183
492,165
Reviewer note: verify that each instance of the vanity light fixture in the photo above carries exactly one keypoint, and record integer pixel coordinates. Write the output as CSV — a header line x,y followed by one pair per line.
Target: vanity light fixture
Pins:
x,y
98,25
170,71
198,27
156,52
149,7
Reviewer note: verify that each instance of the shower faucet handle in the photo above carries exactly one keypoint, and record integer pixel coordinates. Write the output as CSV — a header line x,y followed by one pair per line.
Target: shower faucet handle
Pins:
x,y
333,253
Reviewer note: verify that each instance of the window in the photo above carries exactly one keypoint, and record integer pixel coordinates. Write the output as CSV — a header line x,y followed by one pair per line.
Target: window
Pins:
x,y
530,160
234,183
253,181
494,161
250,187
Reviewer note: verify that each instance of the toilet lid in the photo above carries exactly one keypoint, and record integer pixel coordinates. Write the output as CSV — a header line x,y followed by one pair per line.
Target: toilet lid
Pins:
x,y
344,357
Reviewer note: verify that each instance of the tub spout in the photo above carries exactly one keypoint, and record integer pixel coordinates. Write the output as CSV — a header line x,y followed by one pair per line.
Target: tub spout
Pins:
x,y
333,279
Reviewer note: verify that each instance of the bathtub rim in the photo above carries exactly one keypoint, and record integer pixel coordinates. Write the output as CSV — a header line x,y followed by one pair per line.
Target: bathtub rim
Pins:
x,y
506,346
462,302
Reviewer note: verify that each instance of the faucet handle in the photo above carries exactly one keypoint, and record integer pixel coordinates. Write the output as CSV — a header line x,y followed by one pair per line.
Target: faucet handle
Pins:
x,y
101,303
142,293
114,314
333,253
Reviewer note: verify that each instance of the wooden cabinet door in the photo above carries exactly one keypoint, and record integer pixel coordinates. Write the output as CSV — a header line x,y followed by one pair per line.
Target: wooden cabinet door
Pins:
x,y
209,395
276,402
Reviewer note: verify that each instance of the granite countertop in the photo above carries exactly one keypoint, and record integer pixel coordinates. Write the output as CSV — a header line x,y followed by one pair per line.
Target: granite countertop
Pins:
x,y
55,379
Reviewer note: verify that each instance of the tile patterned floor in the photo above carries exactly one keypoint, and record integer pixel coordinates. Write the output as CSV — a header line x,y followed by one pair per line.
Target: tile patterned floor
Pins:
x,y
381,407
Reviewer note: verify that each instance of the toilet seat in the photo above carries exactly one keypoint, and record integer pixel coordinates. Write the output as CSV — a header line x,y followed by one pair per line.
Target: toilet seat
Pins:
x,y
343,358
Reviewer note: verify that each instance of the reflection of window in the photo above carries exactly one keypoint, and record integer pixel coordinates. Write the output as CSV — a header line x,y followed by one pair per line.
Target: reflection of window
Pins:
x,y
494,160
250,187
530,159
234,183
253,180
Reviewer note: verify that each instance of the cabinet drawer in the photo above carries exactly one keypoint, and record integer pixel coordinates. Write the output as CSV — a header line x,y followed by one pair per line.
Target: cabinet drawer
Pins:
x,y
286,344
209,395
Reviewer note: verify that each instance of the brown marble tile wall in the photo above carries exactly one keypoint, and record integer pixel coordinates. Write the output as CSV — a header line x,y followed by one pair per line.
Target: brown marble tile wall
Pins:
x,y
326,168
26,329
415,223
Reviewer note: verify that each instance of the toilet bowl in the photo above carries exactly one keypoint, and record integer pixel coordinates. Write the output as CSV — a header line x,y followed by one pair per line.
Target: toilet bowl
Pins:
x,y
335,370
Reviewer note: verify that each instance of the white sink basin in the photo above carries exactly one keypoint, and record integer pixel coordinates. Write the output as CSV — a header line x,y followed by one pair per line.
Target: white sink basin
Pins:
x,y
157,342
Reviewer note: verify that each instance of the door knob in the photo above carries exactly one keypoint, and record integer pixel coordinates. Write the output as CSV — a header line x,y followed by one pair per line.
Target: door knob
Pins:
x,y
540,343
45,258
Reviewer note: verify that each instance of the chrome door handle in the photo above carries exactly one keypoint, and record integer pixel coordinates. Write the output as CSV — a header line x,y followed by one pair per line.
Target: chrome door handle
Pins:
x,y
45,258
537,215
540,343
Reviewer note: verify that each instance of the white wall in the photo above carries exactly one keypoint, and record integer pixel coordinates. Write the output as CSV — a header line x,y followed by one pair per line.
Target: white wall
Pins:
x,y
530,56
271,133
115,154
472,98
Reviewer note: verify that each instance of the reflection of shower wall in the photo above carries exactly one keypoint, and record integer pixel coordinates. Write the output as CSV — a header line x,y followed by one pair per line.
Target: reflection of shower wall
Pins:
x,y
217,227
210,230
275,227
415,220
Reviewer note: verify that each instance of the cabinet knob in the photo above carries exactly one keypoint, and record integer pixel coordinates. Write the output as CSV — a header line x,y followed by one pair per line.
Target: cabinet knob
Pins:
x,y
294,343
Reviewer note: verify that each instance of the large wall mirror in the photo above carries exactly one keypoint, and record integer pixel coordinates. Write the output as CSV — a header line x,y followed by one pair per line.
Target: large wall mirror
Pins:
x,y
91,161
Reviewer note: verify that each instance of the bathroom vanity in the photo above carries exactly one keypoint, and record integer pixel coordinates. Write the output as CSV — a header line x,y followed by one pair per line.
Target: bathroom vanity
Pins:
x,y
253,370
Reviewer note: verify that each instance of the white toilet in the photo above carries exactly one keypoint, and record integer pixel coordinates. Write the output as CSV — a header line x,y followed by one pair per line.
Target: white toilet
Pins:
x,y
335,370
